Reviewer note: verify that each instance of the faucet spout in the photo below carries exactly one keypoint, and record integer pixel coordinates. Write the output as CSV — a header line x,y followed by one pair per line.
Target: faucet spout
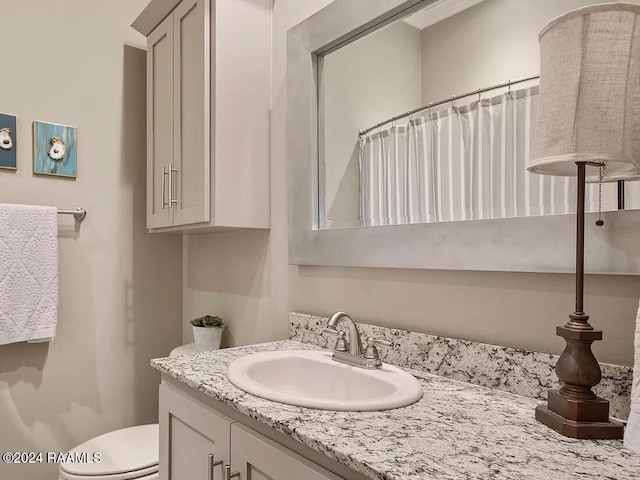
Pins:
x,y
355,343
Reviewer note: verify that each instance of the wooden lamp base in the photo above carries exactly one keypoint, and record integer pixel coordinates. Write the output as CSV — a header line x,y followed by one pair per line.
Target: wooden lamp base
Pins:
x,y
574,410
584,429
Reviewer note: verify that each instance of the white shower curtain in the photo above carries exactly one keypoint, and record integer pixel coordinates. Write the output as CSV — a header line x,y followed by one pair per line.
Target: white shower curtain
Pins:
x,y
461,163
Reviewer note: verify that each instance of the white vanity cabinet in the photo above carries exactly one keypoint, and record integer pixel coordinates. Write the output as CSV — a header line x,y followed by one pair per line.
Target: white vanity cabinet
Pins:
x,y
208,104
194,437
259,458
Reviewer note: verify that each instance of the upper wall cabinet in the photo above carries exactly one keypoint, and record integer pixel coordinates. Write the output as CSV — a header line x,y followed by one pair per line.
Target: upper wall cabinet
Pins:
x,y
208,104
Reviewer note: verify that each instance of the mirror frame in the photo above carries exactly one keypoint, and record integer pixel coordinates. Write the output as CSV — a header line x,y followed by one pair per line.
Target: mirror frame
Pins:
x,y
523,244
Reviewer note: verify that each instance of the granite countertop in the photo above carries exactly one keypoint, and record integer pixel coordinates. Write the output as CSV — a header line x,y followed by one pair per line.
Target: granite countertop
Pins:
x,y
456,431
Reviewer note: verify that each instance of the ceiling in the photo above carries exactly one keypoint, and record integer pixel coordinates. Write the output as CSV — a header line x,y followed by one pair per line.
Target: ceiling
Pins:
x,y
438,11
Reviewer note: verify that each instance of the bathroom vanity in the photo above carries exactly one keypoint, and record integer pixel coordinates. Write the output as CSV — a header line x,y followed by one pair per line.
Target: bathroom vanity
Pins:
x,y
197,440
457,430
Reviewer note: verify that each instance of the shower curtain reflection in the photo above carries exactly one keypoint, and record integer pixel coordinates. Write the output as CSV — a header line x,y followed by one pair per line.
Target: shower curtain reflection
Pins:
x,y
461,163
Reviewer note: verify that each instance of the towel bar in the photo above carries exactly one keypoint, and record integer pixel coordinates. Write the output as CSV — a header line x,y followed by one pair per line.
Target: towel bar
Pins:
x,y
79,214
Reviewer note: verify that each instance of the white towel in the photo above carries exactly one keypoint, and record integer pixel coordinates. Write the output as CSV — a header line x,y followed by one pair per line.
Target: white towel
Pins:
x,y
28,273
632,431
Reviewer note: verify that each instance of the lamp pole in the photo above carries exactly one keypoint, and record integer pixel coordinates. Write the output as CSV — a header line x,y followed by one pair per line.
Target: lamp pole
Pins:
x,y
574,410
621,205
580,240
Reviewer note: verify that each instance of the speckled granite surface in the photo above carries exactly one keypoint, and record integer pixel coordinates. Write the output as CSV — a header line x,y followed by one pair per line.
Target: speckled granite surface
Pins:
x,y
456,431
513,370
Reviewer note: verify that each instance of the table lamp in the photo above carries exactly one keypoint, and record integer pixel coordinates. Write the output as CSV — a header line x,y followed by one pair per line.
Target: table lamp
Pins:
x,y
588,115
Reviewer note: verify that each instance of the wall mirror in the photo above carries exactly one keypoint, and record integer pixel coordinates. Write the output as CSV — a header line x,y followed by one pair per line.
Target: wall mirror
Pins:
x,y
462,159
410,126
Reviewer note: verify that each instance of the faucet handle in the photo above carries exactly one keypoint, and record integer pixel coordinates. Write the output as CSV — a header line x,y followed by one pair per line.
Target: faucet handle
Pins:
x,y
371,352
341,343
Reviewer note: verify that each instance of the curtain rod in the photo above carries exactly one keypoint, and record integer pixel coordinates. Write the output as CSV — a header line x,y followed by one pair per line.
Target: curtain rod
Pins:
x,y
450,99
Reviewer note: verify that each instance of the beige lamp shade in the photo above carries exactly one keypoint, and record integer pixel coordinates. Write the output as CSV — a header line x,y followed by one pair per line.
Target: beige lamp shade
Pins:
x,y
589,105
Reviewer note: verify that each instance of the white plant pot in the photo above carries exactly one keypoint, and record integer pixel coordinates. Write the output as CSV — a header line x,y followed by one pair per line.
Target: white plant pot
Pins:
x,y
207,338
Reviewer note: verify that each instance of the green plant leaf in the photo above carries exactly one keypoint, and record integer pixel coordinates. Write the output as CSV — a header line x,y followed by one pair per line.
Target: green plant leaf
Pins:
x,y
207,321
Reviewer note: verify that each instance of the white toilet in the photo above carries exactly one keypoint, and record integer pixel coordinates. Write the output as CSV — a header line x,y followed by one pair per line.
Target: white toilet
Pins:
x,y
127,454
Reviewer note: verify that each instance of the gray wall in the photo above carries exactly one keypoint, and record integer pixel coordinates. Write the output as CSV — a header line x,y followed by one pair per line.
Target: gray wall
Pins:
x,y
78,63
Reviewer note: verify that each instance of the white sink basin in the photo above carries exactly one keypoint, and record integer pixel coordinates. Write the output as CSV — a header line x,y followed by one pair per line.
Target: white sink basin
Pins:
x,y
308,378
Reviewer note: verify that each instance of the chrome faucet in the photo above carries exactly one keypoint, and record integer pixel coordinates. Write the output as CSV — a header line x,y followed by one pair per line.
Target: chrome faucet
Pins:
x,y
355,343
351,352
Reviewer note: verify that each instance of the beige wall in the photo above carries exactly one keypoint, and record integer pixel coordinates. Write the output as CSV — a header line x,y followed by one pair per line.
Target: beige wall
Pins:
x,y
235,276
245,275
487,44
361,84
120,287
70,61
491,43
514,309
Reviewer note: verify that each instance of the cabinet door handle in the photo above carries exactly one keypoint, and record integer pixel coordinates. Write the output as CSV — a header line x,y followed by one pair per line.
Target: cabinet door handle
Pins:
x,y
165,204
212,465
229,475
172,170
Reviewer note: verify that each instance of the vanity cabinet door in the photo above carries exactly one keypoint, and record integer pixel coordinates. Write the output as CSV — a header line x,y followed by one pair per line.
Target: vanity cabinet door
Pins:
x,y
159,123
259,458
191,78
192,437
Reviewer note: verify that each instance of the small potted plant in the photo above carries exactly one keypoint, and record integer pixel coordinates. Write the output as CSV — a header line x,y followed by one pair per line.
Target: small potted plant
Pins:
x,y
207,332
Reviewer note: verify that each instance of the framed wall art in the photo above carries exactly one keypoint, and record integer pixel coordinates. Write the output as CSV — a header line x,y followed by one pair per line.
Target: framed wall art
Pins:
x,y
8,158
55,150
